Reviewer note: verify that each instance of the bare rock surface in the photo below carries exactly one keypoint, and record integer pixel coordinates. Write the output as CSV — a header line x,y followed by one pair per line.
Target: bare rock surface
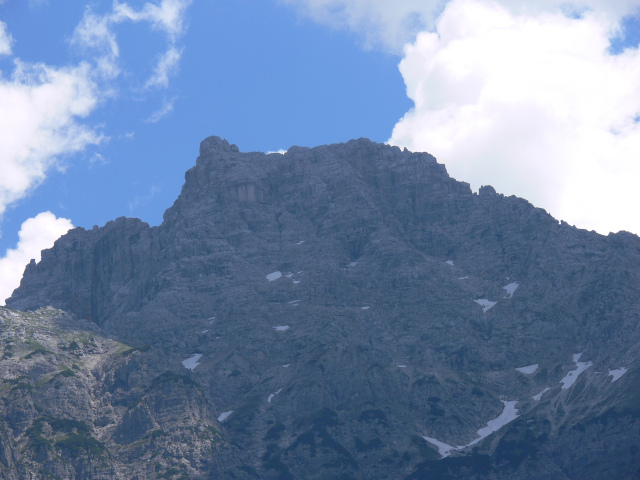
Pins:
x,y
357,314
77,405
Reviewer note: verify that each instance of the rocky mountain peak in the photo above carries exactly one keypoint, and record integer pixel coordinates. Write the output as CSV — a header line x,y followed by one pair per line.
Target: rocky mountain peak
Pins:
x,y
351,311
212,145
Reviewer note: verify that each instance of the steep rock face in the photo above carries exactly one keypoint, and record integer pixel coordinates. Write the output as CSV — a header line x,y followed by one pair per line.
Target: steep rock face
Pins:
x,y
101,270
350,300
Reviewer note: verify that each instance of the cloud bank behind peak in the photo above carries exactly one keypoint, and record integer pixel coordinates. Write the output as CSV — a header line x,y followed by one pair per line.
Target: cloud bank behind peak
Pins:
x,y
525,96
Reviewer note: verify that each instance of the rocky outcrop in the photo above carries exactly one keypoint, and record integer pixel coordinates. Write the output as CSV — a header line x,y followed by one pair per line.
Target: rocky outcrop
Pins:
x,y
77,405
349,302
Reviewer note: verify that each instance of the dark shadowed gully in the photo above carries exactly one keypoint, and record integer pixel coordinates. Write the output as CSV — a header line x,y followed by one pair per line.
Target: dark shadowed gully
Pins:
x,y
347,311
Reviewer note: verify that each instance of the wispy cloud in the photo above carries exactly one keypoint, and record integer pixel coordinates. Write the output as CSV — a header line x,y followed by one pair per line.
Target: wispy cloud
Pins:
x,y
5,40
167,65
97,32
33,4
167,16
94,33
141,200
98,159
36,234
166,109
379,23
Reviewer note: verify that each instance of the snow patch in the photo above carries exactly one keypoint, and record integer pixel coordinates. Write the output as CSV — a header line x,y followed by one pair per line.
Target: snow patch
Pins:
x,y
286,366
224,416
353,264
289,275
486,304
528,370
443,448
296,282
616,374
365,308
274,276
192,362
511,288
509,413
271,395
205,331
571,377
402,366
539,395
294,301
449,262
300,242
281,328
463,278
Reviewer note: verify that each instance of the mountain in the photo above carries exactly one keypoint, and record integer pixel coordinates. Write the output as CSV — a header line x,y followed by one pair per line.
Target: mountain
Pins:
x,y
346,311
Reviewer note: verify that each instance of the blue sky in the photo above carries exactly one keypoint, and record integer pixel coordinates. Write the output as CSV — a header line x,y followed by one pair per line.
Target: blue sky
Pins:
x,y
104,103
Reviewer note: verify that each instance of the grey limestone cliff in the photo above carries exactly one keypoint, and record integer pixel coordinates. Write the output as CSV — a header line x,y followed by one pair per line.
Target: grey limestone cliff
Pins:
x,y
360,313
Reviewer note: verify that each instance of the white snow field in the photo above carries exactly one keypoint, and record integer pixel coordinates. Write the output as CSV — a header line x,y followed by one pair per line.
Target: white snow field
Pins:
x,y
223,416
511,288
274,276
443,448
192,362
571,377
616,374
538,396
509,413
528,370
281,328
271,395
486,304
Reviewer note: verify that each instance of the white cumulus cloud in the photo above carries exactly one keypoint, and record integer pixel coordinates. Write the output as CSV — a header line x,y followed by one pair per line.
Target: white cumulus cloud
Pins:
x,y
36,234
44,108
391,24
525,96
534,105
41,117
